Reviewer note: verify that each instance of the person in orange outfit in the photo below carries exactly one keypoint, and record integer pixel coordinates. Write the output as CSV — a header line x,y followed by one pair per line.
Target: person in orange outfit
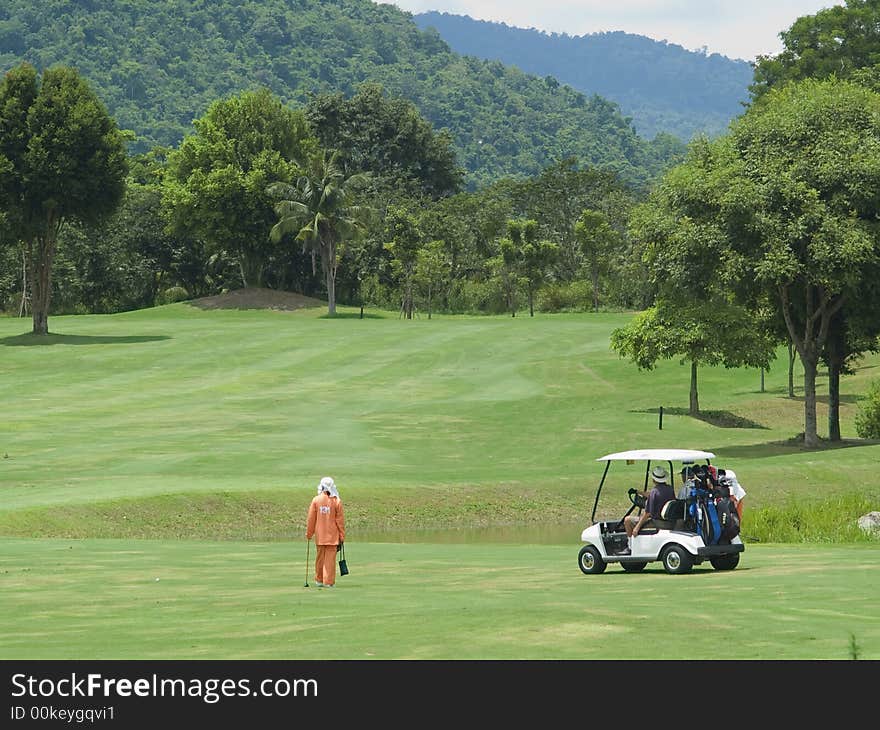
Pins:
x,y
326,522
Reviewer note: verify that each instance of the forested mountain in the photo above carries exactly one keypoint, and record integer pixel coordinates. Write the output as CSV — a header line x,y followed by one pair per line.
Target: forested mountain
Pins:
x,y
661,86
157,64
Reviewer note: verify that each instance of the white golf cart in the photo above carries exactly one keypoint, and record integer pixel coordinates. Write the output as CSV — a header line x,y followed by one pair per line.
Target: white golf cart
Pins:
x,y
679,539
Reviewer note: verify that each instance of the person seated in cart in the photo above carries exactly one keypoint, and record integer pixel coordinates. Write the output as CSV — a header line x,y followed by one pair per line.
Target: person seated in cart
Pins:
x,y
687,479
658,496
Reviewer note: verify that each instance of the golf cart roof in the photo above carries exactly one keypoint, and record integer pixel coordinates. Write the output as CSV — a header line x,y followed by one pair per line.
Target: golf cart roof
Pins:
x,y
658,455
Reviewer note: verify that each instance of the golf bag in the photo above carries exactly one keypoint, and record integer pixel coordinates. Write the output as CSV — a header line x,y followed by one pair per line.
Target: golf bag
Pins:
x,y
703,514
728,519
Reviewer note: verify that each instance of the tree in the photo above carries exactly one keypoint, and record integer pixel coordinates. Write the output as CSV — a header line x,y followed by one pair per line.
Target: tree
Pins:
x,y
216,186
432,270
403,239
700,332
812,151
506,266
839,41
783,210
62,158
597,240
318,210
557,197
530,256
388,137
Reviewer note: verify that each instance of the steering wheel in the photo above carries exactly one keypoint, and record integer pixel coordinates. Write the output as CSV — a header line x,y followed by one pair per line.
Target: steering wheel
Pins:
x,y
637,498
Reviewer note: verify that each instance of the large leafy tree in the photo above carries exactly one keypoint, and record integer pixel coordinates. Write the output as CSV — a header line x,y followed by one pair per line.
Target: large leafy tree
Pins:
x,y
432,271
597,240
318,209
784,209
388,137
531,256
556,199
695,316
699,333
403,239
812,151
841,41
216,185
62,158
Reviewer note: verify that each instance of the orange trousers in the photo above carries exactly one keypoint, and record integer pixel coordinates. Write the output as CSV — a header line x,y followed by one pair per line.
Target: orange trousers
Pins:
x,y
325,565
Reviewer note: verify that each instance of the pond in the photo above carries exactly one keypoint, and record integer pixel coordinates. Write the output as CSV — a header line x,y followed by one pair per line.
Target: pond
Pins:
x,y
514,534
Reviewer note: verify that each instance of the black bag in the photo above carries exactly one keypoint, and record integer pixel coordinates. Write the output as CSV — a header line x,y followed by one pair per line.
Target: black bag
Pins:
x,y
343,566
729,519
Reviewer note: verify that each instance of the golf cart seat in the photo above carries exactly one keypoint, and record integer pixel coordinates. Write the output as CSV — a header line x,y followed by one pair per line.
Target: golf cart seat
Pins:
x,y
671,516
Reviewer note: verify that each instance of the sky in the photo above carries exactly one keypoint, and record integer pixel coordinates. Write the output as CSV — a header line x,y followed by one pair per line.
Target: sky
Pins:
x,y
742,29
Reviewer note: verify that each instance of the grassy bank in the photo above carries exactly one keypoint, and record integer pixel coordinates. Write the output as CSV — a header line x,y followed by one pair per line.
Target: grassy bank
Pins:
x,y
193,423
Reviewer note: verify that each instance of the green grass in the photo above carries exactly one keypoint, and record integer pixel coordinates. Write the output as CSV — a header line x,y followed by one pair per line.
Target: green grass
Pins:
x,y
176,400
191,442
166,599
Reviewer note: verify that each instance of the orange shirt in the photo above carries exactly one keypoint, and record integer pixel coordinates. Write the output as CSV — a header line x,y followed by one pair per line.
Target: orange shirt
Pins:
x,y
326,520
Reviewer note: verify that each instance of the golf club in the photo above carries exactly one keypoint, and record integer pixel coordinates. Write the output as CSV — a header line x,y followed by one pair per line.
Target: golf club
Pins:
x,y
308,543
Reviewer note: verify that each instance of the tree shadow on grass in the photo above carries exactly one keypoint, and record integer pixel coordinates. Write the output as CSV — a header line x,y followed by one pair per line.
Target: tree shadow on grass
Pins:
x,y
794,445
719,419
31,340
351,315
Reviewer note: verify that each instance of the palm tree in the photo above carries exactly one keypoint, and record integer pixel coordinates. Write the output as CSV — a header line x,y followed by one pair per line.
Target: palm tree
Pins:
x,y
318,209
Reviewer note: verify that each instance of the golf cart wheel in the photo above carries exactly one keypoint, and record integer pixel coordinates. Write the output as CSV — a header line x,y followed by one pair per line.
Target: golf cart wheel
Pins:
x,y
725,562
677,560
591,561
633,567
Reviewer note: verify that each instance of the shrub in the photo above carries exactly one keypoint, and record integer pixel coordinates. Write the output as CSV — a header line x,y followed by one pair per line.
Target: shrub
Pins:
x,y
868,416
172,294
476,297
572,296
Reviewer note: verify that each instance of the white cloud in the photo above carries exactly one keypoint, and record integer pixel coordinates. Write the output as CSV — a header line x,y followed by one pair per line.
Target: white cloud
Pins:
x,y
735,28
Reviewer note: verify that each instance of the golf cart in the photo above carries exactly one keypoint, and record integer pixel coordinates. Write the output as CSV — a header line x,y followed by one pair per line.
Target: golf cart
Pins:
x,y
694,527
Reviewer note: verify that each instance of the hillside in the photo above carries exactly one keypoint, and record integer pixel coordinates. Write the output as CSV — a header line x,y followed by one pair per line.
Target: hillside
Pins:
x,y
157,64
662,86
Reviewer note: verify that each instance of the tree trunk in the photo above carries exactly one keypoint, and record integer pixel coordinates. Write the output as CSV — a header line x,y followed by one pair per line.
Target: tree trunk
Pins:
x,y
790,369
531,301
819,310
25,297
329,264
251,267
331,290
595,273
694,406
811,433
834,401
41,257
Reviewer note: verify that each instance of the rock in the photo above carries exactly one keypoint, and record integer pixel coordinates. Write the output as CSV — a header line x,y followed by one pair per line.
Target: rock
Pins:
x,y
870,522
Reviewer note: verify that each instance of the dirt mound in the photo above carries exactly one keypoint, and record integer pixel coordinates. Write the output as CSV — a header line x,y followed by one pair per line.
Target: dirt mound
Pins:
x,y
257,298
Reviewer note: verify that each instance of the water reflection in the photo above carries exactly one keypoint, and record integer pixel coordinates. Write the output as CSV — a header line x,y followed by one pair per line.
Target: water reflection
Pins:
x,y
515,534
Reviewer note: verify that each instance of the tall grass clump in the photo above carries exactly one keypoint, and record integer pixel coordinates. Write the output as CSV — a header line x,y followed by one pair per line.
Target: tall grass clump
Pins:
x,y
830,521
